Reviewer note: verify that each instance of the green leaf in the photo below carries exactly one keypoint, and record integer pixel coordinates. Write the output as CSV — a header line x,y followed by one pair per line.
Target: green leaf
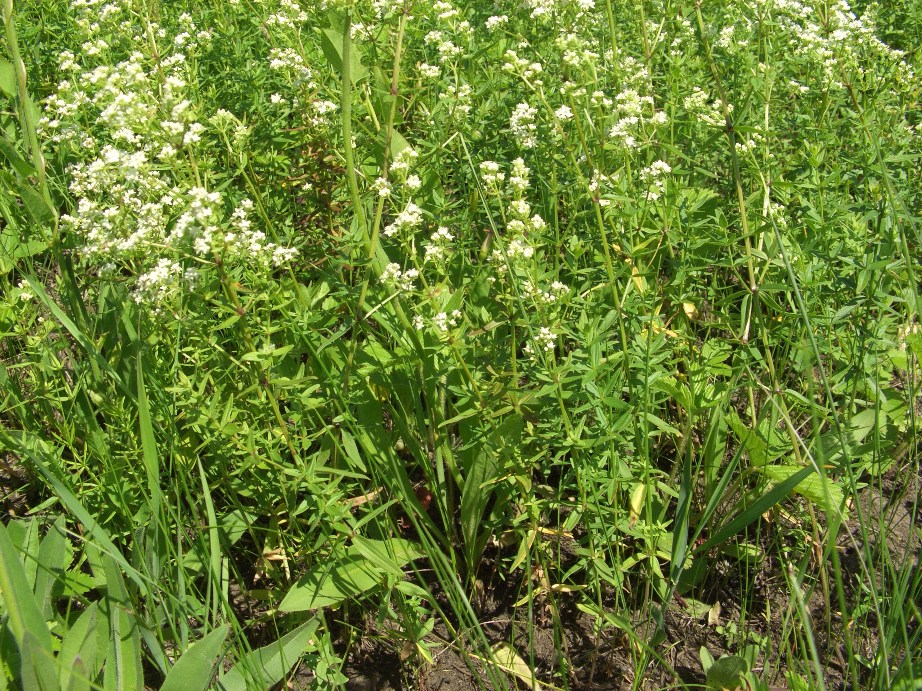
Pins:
x,y
53,557
331,42
18,163
78,335
332,581
265,667
821,491
152,468
388,555
77,661
7,78
509,661
23,613
37,666
707,660
34,203
752,512
123,670
475,495
727,673
99,538
195,669
859,427
352,451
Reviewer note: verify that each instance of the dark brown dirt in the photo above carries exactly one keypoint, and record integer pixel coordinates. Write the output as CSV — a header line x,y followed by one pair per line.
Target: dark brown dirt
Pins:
x,y
15,486
608,662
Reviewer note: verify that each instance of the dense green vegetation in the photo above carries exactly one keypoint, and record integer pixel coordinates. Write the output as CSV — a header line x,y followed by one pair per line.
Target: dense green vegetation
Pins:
x,y
343,335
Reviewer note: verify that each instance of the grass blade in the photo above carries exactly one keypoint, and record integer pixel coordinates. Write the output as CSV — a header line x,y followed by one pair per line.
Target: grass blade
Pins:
x,y
195,669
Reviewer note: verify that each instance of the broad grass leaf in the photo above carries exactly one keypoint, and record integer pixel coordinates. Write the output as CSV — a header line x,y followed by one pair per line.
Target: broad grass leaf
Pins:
x,y
353,572
34,203
84,340
53,558
123,671
78,663
331,42
195,670
332,581
149,453
19,164
856,430
7,78
763,444
821,491
265,667
96,532
352,451
22,611
37,670
389,555
754,511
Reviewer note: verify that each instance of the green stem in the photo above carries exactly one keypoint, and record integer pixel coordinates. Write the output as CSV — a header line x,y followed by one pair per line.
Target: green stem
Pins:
x,y
26,117
346,109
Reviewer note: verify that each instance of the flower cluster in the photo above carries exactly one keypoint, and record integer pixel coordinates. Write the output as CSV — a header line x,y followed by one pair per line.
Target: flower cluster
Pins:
x,y
127,125
699,105
164,281
439,245
396,278
289,15
522,125
542,342
634,111
490,174
653,175
408,219
528,70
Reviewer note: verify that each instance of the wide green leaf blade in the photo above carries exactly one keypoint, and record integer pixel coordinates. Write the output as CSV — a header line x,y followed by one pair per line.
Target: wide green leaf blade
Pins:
x,y
195,669
37,670
265,667
727,673
99,537
52,560
22,611
752,512
332,581
77,659
123,670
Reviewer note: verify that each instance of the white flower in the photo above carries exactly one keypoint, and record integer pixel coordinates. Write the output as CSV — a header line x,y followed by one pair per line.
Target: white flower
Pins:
x,y
443,321
409,218
489,172
543,341
519,178
429,71
324,107
382,186
522,124
401,280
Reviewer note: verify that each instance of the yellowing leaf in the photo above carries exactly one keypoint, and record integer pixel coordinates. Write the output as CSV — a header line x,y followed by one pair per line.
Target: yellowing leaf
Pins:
x,y
509,661
638,280
714,614
637,497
